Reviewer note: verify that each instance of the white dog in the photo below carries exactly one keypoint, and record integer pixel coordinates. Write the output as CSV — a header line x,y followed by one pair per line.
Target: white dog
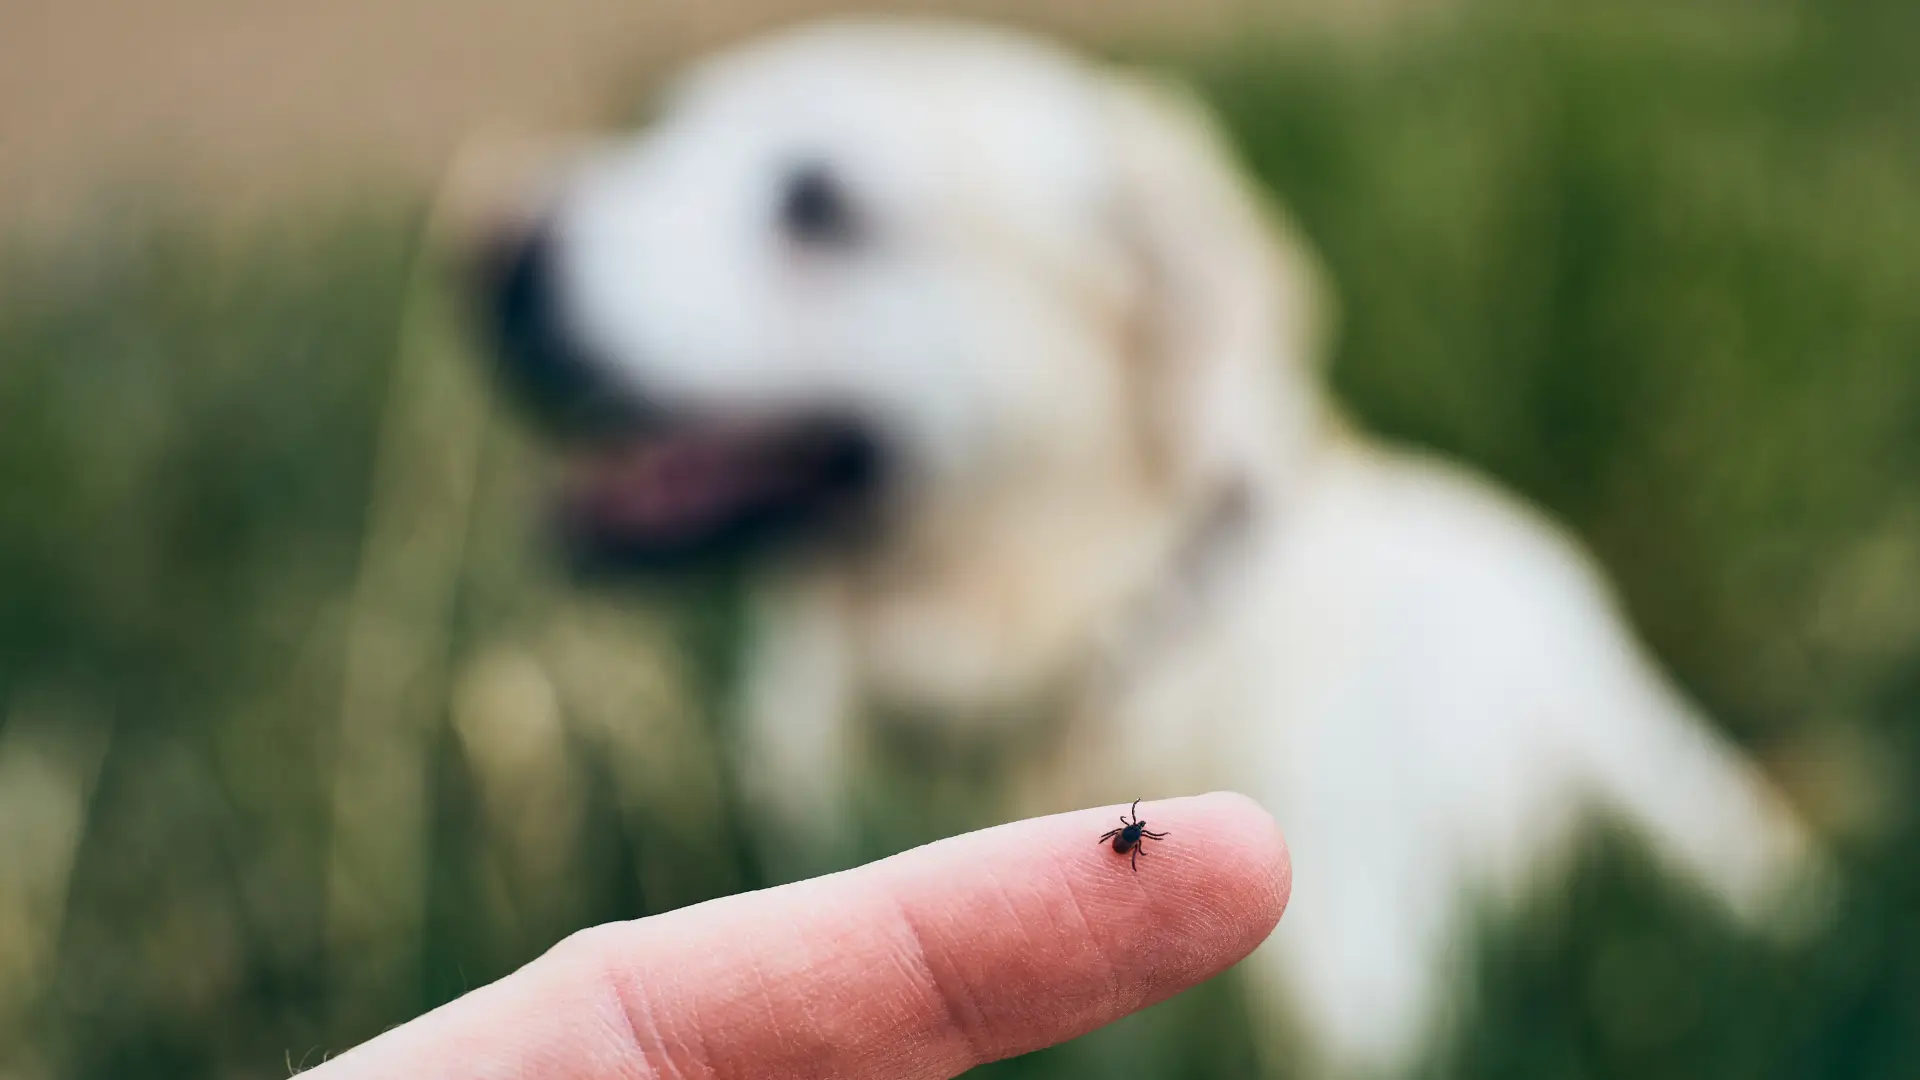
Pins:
x,y
1007,356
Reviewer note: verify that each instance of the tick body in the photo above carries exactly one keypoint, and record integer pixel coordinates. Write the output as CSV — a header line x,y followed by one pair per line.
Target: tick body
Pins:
x,y
1132,836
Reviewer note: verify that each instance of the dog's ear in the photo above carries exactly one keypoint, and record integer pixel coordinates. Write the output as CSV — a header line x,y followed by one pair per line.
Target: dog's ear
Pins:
x,y
1230,310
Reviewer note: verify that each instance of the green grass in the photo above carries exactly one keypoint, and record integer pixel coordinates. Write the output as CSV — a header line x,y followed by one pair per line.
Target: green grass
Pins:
x,y
1656,265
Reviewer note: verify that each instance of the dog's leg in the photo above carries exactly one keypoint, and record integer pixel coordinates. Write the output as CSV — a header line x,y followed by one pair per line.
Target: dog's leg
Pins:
x,y
1700,802
795,746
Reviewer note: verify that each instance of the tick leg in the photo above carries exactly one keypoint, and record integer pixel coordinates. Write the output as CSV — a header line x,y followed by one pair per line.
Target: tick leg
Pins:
x,y
1136,808
1156,835
1108,836
1136,860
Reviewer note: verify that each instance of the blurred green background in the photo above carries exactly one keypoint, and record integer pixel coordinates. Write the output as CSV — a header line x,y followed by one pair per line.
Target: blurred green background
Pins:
x,y
301,735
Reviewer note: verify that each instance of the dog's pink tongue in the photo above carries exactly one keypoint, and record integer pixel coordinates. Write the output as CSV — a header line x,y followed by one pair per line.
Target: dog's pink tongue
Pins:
x,y
670,486
663,487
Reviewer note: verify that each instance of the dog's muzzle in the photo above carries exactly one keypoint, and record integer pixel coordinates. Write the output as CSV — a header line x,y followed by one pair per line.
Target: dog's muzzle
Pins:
x,y
653,488
545,367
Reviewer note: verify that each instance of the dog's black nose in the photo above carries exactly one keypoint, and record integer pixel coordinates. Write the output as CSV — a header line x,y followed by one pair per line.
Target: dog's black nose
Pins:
x,y
542,359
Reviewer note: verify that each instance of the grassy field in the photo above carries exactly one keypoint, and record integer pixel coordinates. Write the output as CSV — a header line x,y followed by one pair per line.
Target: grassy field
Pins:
x,y
300,736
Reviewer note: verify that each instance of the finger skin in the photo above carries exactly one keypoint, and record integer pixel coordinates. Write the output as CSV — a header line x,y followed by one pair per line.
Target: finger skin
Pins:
x,y
967,950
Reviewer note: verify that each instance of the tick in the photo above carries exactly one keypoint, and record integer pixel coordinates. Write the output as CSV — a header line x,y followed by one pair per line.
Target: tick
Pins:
x,y
1132,836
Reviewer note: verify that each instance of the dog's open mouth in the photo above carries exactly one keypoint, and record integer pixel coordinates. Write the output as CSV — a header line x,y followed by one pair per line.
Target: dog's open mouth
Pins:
x,y
652,487
693,491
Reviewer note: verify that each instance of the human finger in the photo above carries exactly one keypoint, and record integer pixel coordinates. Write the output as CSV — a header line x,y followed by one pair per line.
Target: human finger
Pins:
x,y
964,951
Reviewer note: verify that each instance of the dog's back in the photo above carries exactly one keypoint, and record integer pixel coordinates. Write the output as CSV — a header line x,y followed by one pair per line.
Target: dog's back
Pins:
x,y
1444,693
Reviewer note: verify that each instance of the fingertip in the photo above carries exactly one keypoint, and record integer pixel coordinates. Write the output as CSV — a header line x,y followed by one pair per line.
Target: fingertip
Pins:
x,y
1200,900
1250,834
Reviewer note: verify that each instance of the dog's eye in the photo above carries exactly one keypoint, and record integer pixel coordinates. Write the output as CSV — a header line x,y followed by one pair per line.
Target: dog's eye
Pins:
x,y
814,209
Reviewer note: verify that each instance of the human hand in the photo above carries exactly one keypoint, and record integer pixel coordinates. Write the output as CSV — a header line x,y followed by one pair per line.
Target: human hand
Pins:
x,y
968,950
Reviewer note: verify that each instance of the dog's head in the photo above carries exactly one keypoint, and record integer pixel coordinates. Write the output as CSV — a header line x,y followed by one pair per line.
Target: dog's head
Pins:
x,y
865,267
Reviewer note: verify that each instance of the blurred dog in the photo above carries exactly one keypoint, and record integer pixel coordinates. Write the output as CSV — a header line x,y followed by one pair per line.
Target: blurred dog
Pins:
x,y
1017,375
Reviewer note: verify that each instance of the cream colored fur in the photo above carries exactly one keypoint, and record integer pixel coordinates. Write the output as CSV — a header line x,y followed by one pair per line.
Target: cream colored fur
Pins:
x,y
1082,326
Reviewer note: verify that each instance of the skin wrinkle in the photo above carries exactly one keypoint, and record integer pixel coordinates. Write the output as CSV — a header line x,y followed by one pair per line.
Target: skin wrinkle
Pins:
x,y
957,1003
781,1033
704,1049
1016,914
621,1061
796,1045
953,951
1110,969
806,1046
907,957
646,1040
845,962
